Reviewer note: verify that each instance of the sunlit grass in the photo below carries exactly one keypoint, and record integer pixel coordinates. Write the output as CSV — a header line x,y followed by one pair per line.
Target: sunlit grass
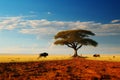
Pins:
x,y
106,57
31,57
34,57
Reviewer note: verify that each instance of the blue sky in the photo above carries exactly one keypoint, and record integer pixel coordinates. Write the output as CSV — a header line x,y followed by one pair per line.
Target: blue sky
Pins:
x,y
29,26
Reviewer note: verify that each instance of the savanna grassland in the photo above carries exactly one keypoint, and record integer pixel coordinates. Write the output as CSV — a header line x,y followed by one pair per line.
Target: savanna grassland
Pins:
x,y
64,69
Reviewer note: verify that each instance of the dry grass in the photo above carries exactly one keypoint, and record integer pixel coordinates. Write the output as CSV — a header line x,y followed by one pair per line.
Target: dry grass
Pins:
x,y
33,57
106,57
29,58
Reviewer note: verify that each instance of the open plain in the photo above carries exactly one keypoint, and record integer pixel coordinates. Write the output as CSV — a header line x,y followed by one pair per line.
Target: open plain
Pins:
x,y
58,68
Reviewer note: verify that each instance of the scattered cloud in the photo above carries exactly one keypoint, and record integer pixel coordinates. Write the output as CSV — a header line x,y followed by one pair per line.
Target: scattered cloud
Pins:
x,y
46,27
115,21
10,23
49,13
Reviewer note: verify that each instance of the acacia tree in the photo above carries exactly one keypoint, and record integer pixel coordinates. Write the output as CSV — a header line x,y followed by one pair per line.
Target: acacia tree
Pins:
x,y
75,39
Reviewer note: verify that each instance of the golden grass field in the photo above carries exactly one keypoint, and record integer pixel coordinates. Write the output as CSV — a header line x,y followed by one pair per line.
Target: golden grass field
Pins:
x,y
28,58
33,57
106,57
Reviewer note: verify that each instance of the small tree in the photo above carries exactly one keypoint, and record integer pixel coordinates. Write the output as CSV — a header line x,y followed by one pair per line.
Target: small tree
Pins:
x,y
75,39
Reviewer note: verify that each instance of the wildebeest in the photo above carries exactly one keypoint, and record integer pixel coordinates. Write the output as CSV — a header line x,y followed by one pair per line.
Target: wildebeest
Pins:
x,y
96,55
113,56
44,54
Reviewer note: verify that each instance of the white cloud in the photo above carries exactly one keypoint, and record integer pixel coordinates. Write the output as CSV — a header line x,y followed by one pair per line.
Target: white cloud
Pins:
x,y
45,27
49,13
10,23
115,21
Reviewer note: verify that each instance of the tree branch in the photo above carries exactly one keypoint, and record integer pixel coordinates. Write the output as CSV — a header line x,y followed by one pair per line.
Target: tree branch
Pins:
x,y
79,46
74,45
69,45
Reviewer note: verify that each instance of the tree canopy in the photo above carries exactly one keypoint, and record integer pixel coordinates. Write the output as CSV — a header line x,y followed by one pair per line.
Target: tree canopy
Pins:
x,y
75,39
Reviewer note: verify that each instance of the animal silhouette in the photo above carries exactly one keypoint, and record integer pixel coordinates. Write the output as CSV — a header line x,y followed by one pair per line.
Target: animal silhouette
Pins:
x,y
96,55
44,54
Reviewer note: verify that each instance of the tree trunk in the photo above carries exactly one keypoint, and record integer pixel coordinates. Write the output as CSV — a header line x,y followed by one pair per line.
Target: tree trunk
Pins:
x,y
75,53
